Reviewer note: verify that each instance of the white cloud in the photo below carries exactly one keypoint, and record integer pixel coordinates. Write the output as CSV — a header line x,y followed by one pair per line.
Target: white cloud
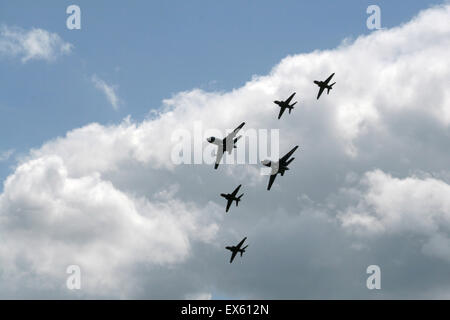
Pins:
x,y
108,90
34,44
411,205
88,222
110,194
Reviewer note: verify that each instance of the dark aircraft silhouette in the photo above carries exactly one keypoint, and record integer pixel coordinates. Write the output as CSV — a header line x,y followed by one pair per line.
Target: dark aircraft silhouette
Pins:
x,y
279,167
232,197
236,249
285,105
324,85
226,144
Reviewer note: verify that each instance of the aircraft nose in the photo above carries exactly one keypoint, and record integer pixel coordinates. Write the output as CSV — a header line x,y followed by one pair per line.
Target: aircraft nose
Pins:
x,y
266,162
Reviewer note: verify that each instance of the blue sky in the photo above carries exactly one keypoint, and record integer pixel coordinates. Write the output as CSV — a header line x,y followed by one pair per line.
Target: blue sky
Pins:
x,y
153,49
149,51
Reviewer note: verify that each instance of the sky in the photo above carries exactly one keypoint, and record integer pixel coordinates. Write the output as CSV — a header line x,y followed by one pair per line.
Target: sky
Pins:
x,y
88,180
152,50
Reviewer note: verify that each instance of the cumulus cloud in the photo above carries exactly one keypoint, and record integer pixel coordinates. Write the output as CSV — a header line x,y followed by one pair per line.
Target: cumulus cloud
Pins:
x,y
415,205
34,44
373,160
88,222
108,90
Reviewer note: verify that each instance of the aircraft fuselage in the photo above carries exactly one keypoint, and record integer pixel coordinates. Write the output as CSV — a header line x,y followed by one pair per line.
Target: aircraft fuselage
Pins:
x,y
283,104
229,197
227,145
233,249
276,167
322,84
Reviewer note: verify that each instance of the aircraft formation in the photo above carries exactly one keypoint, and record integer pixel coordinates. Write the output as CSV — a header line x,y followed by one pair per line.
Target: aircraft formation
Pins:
x,y
228,143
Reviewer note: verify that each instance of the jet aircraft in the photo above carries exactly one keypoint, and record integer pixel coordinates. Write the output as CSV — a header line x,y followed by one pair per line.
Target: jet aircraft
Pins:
x,y
235,249
232,197
279,167
285,105
226,144
324,85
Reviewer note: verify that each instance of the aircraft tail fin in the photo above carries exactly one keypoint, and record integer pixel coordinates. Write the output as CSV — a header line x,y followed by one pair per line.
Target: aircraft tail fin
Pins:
x,y
288,162
292,107
238,199
243,250
236,140
330,87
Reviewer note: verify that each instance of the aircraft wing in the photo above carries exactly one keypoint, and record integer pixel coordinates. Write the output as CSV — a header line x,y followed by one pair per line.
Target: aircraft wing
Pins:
x,y
281,112
229,202
219,155
290,98
240,243
229,138
329,78
288,155
236,190
320,92
235,131
233,255
271,180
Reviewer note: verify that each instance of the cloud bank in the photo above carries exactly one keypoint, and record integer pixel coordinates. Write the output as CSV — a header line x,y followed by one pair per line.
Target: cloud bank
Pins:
x,y
369,186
